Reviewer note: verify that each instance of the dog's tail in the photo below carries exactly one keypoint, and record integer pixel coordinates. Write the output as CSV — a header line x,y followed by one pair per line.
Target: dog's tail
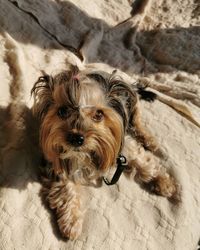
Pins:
x,y
144,94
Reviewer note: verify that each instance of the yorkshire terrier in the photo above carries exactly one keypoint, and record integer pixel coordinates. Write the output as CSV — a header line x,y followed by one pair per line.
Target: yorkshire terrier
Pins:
x,y
87,120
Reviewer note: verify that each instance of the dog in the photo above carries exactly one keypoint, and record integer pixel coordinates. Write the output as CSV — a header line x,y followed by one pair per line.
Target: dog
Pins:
x,y
87,122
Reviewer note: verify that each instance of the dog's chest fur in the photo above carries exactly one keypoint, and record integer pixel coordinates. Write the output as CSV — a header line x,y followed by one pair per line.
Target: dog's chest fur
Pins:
x,y
79,169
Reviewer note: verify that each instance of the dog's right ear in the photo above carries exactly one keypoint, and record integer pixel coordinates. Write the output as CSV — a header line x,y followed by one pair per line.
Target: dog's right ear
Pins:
x,y
42,93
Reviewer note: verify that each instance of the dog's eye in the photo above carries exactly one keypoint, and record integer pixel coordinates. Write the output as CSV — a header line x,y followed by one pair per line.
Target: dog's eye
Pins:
x,y
62,112
98,116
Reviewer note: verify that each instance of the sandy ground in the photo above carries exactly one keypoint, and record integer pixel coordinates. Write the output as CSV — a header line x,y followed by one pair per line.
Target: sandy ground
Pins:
x,y
156,43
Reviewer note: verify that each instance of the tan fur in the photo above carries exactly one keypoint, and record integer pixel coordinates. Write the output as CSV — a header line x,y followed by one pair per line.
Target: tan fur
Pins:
x,y
105,114
63,196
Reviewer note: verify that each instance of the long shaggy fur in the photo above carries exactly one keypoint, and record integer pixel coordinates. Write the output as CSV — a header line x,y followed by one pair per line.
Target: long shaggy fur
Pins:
x,y
86,121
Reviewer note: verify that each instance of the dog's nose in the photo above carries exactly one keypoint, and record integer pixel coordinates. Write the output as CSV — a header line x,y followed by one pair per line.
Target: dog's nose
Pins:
x,y
75,139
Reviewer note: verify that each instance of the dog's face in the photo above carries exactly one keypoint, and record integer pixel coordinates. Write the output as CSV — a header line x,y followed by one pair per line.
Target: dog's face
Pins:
x,y
83,118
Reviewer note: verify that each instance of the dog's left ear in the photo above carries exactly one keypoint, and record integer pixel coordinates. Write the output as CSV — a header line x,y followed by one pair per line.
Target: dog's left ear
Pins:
x,y
120,96
123,98
42,93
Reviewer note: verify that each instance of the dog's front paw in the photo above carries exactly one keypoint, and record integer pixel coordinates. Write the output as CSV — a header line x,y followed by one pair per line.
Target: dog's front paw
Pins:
x,y
70,227
64,199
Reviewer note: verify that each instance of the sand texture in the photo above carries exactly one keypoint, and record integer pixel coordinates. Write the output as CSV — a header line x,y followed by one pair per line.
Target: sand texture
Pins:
x,y
156,43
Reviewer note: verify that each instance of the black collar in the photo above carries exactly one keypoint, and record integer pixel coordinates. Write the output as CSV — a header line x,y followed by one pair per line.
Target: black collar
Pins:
x,y
121,165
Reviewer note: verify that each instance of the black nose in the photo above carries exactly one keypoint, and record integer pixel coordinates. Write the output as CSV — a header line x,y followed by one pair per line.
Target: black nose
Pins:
x,y
75,139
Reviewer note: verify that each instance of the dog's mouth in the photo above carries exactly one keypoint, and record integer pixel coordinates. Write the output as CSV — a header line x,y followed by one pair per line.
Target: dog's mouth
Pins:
x,y
71,152
62,151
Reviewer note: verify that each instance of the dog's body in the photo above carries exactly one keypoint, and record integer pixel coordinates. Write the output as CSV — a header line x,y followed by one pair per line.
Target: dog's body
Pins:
x,y
86,121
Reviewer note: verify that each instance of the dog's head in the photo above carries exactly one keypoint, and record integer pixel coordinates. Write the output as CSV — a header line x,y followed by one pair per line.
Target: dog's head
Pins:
x,y
83,117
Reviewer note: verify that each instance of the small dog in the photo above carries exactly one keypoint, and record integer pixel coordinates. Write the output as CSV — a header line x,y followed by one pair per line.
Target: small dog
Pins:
x,y
86,122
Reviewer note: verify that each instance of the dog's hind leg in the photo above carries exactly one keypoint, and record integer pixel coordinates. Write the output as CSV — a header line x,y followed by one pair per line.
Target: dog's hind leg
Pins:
x,y
146,169
141,134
